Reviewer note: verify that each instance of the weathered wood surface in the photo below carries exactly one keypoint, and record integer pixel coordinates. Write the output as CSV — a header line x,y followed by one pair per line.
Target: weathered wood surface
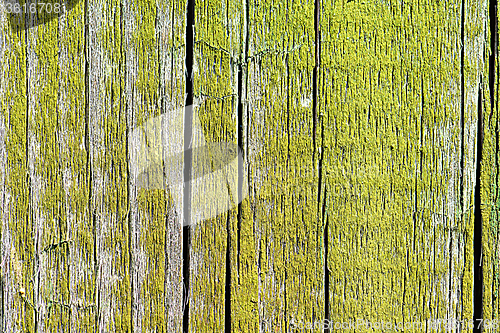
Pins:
x,y
398,137
366,127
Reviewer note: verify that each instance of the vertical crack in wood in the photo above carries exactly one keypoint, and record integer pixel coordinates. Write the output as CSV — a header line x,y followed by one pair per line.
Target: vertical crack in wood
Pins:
x,y
163,91
287,168
315,96
288,130
227,300
188,128
493,20
243,65
478,223
239,110
418,169
238,216
315,74
418,174
478,220
494,285
29,219
317,61
124,107
462,107
462,126
327,270
492,57
88,166
4,273
2,302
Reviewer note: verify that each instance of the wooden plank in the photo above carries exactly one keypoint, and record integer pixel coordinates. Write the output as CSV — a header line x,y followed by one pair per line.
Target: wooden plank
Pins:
x,y
216,47
55,129
171,28
17,243
399,158
47,210
281,237
245,285
55,124
74,166
154,37
107,143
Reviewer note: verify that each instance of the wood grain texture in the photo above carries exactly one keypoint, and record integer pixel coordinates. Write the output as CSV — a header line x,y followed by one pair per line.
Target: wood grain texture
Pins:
x,y
17,244
75,178
281,231
360,130
107,133
171,31
50,278
399,146
217,44
154,87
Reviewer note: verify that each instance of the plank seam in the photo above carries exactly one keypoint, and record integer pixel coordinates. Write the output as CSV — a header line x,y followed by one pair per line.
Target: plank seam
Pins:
x,y
188,127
